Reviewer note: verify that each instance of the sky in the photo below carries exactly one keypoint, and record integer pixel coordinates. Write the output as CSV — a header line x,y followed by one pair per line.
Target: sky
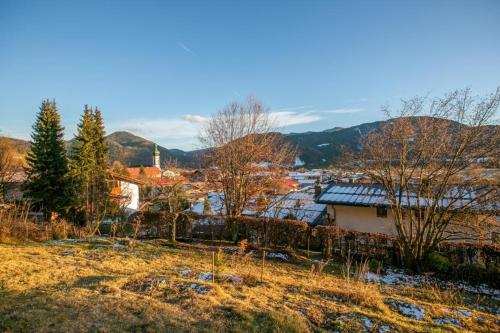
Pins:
x,y
159,69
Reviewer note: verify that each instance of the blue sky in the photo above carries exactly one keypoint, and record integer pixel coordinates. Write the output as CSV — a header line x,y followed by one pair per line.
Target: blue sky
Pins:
x,y
160,68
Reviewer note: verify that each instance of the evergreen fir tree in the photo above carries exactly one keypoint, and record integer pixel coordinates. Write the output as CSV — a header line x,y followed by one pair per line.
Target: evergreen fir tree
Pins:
x,y
89,163
47,185
101,183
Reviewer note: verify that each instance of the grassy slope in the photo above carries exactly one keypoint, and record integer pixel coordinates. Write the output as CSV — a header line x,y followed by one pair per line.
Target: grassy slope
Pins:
x,y
98,288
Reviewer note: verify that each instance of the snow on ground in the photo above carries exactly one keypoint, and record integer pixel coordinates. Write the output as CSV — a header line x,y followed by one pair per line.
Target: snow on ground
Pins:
x,y
447,321
394,276
409,310
205,276
277,255
235,280
200,289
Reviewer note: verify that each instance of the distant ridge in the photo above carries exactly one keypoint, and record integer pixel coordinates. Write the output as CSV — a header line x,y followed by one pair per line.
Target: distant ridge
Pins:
x,y
315,149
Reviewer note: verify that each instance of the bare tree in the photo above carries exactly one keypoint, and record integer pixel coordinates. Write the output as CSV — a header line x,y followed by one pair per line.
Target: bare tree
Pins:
x,y
421,158
171,201
7,164
245,152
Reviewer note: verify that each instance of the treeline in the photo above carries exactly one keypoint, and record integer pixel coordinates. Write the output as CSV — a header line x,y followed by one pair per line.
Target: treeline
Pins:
x,y
69,183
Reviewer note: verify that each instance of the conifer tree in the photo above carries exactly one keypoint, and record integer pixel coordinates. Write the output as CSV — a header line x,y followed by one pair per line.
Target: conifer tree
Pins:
x,y
89,162
47,185
101,184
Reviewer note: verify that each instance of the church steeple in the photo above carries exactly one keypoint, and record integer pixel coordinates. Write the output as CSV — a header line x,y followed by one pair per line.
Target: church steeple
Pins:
x,y
156,157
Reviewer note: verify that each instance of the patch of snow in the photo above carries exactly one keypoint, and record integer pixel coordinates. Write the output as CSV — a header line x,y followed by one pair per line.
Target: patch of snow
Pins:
x,y
447,321
200,289
384,329
329,296
489,310
278,255
394,276
462,312
367,322
185,272
409,310
299,162
206,276
235,280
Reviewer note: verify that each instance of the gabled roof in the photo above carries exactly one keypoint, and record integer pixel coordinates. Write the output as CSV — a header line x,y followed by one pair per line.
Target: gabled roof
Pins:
x,y
375,195
354,195
128,179
170,181
149,171
299,204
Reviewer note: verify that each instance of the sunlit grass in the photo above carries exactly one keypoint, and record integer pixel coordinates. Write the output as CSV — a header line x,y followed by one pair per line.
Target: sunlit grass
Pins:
x,y
93,286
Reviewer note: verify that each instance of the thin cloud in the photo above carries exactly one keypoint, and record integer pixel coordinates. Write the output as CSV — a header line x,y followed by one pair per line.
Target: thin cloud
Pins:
x,y
160,129
341,111
187,49
195,119
289,118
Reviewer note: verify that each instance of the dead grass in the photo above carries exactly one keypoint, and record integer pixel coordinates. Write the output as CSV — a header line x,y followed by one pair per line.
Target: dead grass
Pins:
x,y
95,286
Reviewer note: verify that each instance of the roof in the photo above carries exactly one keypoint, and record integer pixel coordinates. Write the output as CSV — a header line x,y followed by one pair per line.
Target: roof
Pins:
x,y
128,179
300,204
149,171
170,181
375,195
216,200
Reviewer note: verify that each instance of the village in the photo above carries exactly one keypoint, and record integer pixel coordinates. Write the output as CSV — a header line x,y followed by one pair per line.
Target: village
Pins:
x,y
345,219
249,166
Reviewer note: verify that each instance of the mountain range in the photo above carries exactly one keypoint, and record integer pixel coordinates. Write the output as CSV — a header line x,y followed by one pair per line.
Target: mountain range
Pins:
x,y
315,149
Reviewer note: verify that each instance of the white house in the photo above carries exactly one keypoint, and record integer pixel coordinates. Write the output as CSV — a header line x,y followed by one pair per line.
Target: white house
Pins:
x,y
127,191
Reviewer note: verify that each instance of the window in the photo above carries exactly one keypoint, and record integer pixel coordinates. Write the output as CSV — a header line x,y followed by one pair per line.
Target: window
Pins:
x,y
381,212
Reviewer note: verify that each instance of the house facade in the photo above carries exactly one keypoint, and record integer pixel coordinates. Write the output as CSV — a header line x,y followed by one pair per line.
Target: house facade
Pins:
x,y
365,208
126,191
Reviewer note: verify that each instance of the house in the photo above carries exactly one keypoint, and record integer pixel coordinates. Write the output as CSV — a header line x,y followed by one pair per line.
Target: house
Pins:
x,y
126,191
297,205
216,205
13,186
147,172
307,178
365,207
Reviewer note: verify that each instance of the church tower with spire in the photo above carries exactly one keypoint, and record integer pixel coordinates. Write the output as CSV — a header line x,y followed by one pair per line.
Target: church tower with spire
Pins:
x,y
156,158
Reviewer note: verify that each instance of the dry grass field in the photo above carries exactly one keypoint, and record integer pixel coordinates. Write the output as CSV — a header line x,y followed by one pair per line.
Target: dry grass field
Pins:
x,y
100,286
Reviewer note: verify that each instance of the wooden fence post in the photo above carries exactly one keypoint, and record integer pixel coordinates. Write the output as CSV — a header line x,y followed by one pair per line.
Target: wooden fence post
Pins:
x,y
262,267
213,267
308,241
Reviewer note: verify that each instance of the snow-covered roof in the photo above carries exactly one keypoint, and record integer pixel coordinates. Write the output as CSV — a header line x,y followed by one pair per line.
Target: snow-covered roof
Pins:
x,y
299,204
375,195
216,200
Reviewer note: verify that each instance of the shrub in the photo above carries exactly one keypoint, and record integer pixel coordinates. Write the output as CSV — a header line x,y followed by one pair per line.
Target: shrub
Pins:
x,y
437,263
375,265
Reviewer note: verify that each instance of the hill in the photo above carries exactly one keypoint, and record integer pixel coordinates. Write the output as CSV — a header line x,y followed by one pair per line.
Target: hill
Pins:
x,y
315,149
131,150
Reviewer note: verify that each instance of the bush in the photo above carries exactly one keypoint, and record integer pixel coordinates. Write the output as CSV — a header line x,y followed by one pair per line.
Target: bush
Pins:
x,y
437,263
375,265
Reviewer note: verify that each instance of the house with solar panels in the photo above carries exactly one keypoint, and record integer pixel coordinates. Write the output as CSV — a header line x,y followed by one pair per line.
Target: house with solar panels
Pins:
x,y
366,208
359,207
